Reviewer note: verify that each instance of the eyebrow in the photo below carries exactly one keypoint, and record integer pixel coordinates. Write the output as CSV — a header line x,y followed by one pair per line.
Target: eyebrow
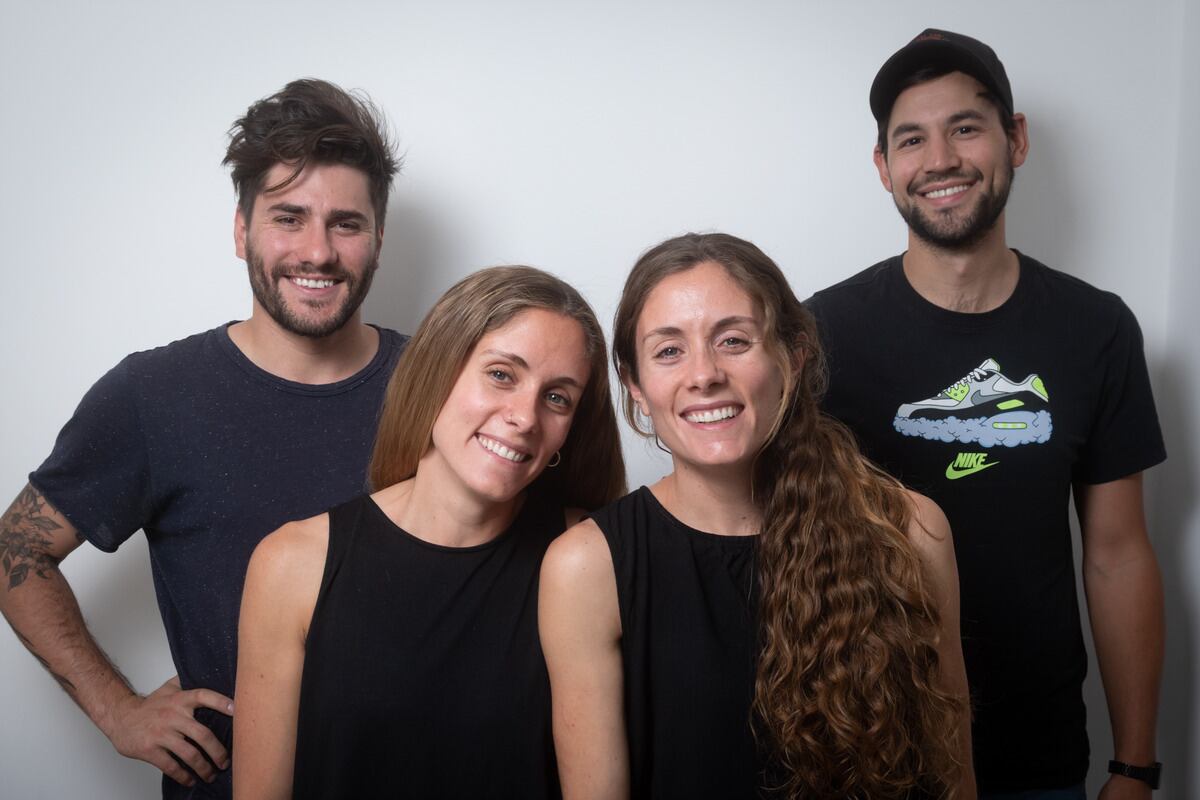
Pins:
x,y
963,116
905,128
724,322
289,208
523,364
337,215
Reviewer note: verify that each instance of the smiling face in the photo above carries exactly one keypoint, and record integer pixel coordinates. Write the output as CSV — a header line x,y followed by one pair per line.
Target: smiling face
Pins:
x,y
704,374
511,407
949,163
311,248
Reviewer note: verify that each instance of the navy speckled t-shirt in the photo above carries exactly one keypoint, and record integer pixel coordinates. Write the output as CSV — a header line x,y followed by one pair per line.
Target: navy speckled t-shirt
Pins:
x,y
208,453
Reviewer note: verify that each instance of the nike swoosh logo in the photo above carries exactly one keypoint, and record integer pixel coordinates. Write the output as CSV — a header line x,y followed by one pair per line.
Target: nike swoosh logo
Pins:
x,y
953,473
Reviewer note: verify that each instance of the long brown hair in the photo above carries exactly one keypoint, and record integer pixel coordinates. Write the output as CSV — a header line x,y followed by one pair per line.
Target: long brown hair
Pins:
x,y
846,699
591,473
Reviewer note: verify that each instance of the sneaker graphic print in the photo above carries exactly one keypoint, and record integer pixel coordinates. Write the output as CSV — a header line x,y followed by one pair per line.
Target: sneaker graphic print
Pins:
x,y
984,408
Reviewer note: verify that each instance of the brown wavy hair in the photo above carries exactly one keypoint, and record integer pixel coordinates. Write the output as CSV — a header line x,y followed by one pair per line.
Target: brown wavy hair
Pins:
x,y
311,121
591,473
847,700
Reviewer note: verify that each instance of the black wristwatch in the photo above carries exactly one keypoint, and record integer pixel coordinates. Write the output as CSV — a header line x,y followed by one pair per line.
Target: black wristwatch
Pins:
x,y
1149,775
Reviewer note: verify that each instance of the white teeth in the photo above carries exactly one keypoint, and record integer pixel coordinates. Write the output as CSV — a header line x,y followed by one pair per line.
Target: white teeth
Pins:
x,y
948,192
312,283
712,414
501,450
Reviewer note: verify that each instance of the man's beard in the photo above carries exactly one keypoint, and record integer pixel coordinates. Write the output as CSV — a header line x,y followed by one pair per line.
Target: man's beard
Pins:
x,y
267,293
942,232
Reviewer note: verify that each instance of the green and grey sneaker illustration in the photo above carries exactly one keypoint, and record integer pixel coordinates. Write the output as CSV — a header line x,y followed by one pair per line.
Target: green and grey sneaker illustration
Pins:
x,y
982,407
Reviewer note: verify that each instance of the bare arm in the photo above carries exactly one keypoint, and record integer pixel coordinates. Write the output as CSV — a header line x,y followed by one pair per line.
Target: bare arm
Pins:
x,y
580,625
281,590
42,610
930,533
1125,603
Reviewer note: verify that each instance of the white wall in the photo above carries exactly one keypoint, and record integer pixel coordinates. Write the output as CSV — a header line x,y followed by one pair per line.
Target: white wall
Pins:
x,y
568,136
1174,512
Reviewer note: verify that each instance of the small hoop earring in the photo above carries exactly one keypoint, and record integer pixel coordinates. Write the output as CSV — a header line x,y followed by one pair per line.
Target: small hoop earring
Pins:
x,y
555,460
658,443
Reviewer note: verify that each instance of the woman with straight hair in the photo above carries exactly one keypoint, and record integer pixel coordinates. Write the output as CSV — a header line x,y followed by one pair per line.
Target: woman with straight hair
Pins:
x,y
390,647
774,618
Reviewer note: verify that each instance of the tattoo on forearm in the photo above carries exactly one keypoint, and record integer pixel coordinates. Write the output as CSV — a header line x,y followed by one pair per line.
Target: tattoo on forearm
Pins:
x,y
25,541
67,686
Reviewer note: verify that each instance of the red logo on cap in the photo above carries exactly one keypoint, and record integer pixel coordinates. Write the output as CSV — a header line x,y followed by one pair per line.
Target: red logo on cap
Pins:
x,y
926,36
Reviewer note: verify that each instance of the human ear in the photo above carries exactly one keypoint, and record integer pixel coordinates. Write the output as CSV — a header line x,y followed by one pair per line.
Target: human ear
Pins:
x,y
635,392
1018,140
885,175
239,233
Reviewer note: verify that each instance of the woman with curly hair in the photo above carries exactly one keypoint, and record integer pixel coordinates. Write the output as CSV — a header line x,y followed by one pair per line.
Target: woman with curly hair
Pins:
x,y
774,618
389,648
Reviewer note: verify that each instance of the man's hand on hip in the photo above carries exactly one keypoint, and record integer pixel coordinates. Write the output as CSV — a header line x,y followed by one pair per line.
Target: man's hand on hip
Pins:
x,y
161,725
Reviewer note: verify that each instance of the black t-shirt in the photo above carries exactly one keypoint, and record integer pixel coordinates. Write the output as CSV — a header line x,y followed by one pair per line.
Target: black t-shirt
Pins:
x,y
423,672
208,454
995,415
687,601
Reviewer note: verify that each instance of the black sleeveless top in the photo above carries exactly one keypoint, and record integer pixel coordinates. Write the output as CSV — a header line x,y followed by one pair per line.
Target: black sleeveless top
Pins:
x,y
689,642
423,673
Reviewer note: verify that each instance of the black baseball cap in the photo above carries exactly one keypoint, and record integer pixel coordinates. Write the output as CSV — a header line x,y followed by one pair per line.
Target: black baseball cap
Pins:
x,y
931,48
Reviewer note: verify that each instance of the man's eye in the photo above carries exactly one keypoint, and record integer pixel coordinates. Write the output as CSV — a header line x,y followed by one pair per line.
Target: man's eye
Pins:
x,y
286,220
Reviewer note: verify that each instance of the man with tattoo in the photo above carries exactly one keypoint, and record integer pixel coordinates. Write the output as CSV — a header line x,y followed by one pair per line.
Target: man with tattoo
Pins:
x,y
211,442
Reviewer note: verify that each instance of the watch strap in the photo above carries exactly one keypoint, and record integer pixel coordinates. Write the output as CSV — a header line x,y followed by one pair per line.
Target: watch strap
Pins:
x,y
1148,775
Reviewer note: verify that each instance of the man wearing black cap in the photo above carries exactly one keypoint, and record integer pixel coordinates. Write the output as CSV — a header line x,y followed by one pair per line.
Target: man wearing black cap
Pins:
x,y
999,386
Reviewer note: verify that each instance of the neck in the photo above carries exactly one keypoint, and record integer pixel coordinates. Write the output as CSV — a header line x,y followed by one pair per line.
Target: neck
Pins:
x,y
714,501
305,359
429,510
970,280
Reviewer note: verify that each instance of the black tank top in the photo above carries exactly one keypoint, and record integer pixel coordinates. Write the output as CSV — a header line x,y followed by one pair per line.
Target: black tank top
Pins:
x,y
688,638
423,673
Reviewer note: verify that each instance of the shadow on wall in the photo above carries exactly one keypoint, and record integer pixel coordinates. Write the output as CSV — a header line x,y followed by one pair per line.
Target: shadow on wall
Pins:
x,y
407,281
1041,220
1173,510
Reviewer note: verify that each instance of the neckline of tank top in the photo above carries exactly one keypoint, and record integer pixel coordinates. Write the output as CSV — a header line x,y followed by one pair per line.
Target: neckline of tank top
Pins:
x,y
724,539
526,506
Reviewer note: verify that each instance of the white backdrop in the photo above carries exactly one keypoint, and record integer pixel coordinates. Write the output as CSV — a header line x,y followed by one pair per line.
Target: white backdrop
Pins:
x,y
569,136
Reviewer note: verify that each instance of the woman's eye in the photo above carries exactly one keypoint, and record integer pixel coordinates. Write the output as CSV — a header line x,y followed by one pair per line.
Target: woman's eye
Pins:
x,y
670,351
734,343
559,399
500,376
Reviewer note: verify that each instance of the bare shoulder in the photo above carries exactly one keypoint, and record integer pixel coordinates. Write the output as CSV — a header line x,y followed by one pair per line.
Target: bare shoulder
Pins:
x,y
577,595
294,545
287,565
928,529
579,553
